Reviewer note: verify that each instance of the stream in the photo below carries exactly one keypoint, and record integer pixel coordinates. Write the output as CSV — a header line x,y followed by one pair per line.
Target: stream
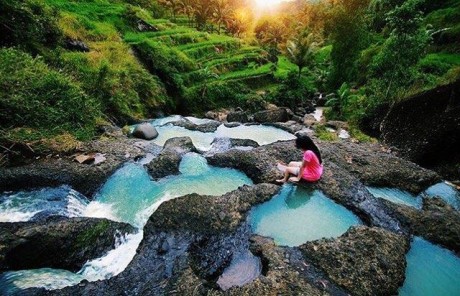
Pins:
x,y
294,216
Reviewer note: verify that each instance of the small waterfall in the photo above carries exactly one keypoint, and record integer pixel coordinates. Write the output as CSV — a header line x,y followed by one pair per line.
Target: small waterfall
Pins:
x,y
76,204
115,261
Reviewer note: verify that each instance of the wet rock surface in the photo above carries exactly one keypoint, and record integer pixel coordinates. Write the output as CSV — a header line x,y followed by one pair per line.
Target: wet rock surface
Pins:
x,y
372,165
167,162
365,261
437,221
82,177
208,127
57,242
189,242
145,131
210,214
425,128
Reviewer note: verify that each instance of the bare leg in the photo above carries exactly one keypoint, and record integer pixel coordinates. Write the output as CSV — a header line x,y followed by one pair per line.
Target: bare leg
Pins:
x,y
289,171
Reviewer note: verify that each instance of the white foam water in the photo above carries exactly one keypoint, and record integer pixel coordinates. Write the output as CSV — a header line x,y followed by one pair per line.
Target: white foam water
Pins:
x,y
115,261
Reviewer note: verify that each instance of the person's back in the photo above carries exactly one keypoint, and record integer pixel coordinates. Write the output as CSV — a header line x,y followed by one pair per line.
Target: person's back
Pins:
x,y
313,168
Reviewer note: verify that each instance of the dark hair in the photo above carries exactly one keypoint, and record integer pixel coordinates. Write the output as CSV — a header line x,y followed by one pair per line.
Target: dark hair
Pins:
x,y
304,142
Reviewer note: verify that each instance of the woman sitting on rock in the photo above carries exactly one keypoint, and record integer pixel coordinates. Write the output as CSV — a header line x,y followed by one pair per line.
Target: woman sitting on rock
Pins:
x,y
309,169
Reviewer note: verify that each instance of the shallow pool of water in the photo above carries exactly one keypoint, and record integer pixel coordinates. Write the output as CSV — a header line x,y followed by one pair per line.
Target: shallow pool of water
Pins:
x,y
132,196
297,215
260,133
397,196
431,270
129,195
448,193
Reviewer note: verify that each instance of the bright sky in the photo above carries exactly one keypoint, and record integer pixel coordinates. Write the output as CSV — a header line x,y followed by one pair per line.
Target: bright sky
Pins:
x,y
267,3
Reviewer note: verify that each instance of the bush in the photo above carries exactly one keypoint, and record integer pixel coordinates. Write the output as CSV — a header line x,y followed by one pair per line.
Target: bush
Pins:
x,y
213,95
294,91
35,96
28,24
123,88
167,63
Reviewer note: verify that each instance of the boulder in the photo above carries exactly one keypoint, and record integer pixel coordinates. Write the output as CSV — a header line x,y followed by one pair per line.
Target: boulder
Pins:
x,y
167,162
277,115
237,116
145,131
208,127
425,128
143,26
365,261
210,214
437,222
57,242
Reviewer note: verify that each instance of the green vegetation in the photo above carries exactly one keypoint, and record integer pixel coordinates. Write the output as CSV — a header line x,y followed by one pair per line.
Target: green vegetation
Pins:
x,y
81,63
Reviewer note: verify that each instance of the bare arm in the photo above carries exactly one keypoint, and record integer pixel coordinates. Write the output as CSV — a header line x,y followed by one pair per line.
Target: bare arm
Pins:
x,y
301,169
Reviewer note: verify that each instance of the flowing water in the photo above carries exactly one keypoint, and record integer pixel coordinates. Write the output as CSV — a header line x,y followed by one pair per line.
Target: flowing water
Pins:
x,y
431,271
292,217
397,196
129,195
298,214
27,205
446,192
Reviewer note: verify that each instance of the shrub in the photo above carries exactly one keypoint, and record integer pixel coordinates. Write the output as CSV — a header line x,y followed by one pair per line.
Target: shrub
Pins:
x,y
35,96
29,24
213,95
294,91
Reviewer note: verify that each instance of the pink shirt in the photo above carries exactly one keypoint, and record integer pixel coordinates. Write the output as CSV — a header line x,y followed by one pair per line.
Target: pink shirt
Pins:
x,y
313,169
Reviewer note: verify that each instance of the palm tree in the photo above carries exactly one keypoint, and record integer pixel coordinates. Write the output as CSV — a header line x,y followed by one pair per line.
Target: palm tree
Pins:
x,y
301,49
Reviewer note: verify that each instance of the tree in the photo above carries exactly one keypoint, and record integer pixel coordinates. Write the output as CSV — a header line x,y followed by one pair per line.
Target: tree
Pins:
x,y
203,12
186,7
301,49
393,68
238,22
348,31
222,11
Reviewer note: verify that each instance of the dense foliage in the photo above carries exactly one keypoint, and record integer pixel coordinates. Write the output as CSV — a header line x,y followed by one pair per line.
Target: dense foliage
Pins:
x,y
78,63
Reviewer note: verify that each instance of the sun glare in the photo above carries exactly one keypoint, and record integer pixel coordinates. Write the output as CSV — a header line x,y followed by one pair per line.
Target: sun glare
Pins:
x,y
267,3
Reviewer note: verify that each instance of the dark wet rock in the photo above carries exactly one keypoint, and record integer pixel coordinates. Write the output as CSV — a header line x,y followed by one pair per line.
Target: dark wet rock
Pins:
x,y
365,261
290,126
437,222
145,131
237,116
345,189
76,45
425,128
374,166
208,127
83,178
167,162
277,278
243,142
58,242
277,115
232,124
202,213
337,182
147,274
